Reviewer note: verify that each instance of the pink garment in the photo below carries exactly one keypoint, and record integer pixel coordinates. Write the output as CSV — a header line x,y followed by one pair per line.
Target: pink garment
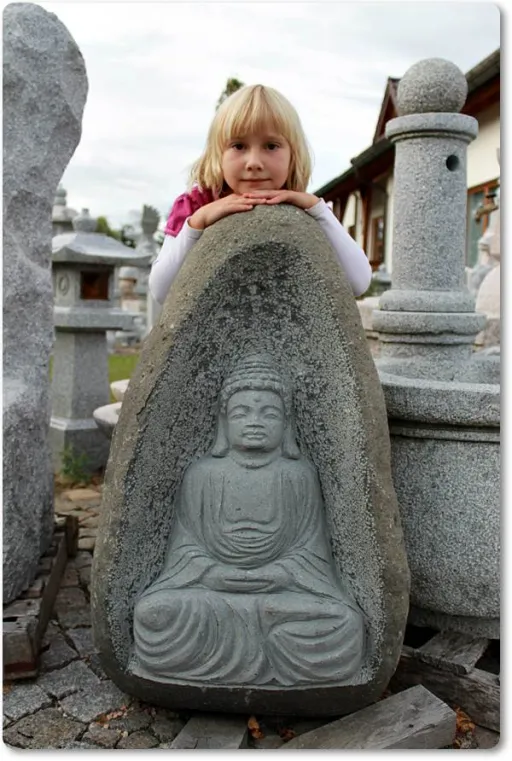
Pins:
x,y
184,206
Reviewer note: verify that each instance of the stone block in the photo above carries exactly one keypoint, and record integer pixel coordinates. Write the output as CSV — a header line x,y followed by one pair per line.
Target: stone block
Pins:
x,y
43,730
40,101
23,699
76,676
85,706
267,284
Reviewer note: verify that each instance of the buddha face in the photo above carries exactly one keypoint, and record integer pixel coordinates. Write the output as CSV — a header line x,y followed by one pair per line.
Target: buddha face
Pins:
x,y
255,420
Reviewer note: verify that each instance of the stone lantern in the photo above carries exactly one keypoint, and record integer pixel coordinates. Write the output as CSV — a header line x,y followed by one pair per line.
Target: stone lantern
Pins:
x,y
83,263
62,216
443,401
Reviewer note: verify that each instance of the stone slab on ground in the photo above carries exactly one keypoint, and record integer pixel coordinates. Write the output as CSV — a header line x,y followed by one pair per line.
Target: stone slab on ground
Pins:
x,y
23,699
87,706
413,719
47,728
213,732
98,735
81,495
138,741
58,654
72,608
72,678
166,729
82,640
134,720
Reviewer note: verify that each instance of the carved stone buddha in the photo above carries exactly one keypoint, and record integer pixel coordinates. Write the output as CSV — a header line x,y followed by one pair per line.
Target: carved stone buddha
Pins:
x,y
249,593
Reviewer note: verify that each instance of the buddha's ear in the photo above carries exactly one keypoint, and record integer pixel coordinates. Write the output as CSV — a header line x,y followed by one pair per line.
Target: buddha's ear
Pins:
x,y
290,448
221,444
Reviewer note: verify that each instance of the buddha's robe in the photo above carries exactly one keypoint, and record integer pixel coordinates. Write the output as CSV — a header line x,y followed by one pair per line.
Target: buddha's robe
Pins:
x,y
248,593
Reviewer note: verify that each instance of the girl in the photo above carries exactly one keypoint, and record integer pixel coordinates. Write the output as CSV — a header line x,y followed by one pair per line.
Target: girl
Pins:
x,y
256,153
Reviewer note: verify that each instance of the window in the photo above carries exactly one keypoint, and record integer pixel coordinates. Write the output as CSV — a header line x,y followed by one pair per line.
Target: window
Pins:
x,y
377,242
475,229
94,285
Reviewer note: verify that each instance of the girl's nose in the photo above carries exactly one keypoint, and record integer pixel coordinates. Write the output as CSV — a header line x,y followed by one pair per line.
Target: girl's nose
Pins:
x,y
254,160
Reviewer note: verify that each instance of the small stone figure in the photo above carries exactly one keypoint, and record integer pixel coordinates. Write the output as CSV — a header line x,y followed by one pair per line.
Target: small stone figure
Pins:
x,y
249,593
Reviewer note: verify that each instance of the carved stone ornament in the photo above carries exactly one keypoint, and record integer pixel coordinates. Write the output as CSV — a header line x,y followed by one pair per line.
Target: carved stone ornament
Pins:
x,y
249,593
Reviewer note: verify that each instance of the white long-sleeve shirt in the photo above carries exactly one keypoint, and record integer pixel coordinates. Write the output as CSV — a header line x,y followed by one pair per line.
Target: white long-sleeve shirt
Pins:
x,y
350,255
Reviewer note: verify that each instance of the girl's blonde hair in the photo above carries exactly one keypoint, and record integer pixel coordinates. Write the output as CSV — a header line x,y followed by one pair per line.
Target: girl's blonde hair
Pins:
x,y
252,109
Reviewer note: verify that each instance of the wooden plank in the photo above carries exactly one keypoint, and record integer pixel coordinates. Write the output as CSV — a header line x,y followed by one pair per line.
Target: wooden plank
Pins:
x,y
19,655
52,586
72,535
477,693
454,652
25,620
215,732
26,608
414,719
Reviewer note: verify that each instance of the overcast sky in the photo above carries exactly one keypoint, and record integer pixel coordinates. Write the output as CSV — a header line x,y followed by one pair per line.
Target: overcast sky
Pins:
x,y
156,70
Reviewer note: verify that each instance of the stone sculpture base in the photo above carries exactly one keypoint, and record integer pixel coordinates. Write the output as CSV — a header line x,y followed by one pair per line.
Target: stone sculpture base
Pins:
x,y
445,444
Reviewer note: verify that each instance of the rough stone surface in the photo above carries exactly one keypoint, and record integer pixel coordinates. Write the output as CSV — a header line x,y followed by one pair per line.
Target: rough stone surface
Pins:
x,y
98,735
137,740
87,706
71,608
23,699
45,729
82,640
432,85
270,283
133,721
76,676
43,107
58,654
166,729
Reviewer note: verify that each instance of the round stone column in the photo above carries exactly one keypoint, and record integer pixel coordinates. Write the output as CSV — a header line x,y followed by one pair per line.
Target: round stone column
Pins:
x,y
429,313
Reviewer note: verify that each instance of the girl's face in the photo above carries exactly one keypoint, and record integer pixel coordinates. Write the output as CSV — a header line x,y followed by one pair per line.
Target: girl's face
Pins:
x,y
259,161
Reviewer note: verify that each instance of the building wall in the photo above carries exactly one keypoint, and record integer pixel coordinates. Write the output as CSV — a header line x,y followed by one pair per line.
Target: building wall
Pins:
x,y
482,161
388,257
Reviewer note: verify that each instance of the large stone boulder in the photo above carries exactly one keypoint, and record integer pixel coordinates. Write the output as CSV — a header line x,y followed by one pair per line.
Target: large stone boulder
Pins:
x,y
45,88
264,283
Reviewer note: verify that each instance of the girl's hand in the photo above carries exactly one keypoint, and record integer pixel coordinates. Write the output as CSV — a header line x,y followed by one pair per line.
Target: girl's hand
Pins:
x,y
223,207
302,200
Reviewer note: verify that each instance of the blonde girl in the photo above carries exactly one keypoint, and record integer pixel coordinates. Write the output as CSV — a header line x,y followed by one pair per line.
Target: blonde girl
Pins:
x,y
256,153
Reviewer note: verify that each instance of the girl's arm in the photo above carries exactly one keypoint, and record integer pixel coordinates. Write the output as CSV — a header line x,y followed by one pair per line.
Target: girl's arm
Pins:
x,y
168,262
349,254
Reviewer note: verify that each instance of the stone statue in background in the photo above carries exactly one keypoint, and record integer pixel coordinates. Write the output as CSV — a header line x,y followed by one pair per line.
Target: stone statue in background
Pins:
x,y
249,593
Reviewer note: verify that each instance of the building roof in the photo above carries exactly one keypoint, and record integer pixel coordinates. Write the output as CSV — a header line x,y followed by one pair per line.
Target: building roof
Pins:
x,y
483,90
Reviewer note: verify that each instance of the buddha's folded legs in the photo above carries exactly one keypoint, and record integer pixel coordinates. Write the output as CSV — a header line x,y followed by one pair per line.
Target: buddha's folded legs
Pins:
x,y
286,638
195,634
311,639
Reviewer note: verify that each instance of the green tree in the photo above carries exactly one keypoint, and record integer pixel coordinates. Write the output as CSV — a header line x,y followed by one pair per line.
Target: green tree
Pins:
x,y
102,226
232,85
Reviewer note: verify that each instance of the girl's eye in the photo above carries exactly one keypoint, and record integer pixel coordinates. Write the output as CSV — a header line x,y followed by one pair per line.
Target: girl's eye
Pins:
x,y
238,146
272,146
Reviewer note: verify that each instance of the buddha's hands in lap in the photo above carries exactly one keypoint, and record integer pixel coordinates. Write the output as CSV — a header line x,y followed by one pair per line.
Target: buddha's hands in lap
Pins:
x,y
232,579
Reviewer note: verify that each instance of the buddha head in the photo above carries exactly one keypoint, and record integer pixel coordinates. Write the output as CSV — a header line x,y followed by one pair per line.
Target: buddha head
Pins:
x,y
255,411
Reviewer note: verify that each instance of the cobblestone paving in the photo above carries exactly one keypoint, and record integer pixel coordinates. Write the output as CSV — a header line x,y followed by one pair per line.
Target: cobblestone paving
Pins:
x,y
72,703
